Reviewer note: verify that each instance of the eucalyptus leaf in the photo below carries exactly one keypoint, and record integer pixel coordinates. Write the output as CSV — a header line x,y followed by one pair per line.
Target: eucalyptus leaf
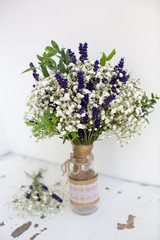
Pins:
x,y
45,55
29,69
37,128
55,45
45,121
36,135
51,67
61,66
54,68
67,58
30,123
110,56
40,58
63,53
103,59
74,135
44,71
49,49
52,61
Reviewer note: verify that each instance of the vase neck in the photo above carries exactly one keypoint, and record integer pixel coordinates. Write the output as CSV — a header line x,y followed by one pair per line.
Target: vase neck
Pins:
x,y
82,151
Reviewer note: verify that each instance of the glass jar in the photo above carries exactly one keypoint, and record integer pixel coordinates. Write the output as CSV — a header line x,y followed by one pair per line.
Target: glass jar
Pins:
x,y
83,181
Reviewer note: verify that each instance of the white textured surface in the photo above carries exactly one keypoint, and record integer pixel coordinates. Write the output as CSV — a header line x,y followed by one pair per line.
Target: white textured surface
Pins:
x,y
131,27
114,207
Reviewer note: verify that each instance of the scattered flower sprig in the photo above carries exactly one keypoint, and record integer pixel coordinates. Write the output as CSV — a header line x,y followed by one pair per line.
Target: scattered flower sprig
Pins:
x,y
80,100
38,199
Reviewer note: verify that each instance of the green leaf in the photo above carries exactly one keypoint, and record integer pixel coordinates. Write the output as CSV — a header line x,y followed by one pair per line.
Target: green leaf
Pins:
x,y
60,57
103,59
47,112
152,95
30,123
52,61
111,55
67,58
55,45
29,69
63,53
61,66
44,71
36,135
147,120
40,58
45,55
37,128
45,121
74,135
54,68
51,67
49,49
65,135
53,53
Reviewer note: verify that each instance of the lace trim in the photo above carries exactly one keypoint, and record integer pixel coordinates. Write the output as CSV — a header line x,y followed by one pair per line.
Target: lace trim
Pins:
x,y
84,193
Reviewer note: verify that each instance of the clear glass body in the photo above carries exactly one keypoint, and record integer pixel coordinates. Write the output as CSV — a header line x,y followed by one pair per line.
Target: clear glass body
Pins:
x,y
84,170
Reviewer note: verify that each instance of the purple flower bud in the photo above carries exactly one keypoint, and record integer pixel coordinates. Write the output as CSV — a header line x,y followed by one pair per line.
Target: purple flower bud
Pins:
x,y
28,195
31,64
83,52
97,123
85,101
62,82
73,56
80,78
96,63
81,110
44,187
90,86
57,198
108,100
95,112
81,134
84,120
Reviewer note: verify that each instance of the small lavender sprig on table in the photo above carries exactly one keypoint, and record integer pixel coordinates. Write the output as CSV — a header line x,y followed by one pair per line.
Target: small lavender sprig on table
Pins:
x,y
38,199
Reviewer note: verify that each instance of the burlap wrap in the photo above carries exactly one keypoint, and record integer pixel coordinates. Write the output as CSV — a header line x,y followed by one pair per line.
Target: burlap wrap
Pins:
x,y
83,186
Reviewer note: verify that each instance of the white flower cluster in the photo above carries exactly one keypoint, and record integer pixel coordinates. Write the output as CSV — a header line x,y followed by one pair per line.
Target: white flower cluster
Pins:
x,y
118,103
46,206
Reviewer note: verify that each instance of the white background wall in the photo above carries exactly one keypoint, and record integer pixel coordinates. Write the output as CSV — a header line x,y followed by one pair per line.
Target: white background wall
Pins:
x,y
4,144
131,26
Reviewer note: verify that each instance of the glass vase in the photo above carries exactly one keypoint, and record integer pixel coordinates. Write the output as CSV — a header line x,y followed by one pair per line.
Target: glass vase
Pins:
x,y
83,180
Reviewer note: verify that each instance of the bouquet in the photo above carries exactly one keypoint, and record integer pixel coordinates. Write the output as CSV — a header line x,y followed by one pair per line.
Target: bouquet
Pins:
x,y
81,100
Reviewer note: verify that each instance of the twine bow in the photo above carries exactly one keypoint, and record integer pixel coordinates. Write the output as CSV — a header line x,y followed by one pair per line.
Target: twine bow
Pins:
x,y
65,167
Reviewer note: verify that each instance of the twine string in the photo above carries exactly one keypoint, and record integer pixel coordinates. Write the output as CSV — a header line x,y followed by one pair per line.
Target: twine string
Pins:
x,y
65,167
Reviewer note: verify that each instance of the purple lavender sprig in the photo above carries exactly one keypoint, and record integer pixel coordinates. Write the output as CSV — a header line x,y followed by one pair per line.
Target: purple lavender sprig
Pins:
x,y
80,79
108,100
121,76
85,101
57,198
62,82
95,112
35,74
72,56
95,68
84,120
83,52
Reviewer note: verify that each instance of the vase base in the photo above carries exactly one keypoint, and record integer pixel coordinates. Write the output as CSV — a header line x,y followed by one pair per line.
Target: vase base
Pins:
x,y
84,210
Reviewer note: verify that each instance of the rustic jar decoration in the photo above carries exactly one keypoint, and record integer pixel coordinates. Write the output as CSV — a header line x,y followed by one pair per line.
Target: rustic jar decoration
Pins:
x,y
83,180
